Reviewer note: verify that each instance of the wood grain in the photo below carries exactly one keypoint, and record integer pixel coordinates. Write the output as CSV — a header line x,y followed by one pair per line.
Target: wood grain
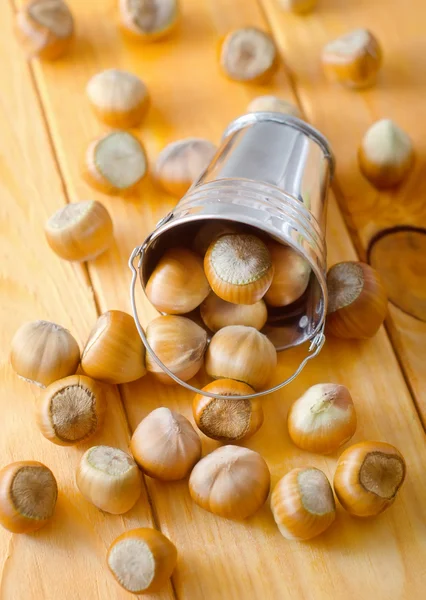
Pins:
x,y
67,558
344,116
220,559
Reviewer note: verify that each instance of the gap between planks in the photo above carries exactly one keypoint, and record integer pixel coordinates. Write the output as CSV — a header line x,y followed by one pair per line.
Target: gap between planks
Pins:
x,y
349,225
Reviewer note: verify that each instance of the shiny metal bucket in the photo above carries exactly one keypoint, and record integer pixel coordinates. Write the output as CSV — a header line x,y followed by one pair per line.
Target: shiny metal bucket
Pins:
x,y
271,173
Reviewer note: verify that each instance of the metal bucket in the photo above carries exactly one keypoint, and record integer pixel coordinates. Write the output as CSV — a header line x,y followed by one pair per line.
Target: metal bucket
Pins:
x,y
271,173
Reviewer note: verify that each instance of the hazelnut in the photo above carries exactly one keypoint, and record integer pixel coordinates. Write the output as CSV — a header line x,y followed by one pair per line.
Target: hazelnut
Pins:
x,y
353,59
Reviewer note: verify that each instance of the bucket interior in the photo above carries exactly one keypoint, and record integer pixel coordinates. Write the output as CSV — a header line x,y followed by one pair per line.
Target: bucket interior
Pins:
x,y
287,326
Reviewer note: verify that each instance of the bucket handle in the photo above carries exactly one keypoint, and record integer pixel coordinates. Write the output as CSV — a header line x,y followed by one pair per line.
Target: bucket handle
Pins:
x,y
314,348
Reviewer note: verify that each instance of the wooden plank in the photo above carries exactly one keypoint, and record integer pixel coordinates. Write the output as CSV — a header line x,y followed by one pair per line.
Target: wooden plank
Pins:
x,y
344,116
220,559
67,558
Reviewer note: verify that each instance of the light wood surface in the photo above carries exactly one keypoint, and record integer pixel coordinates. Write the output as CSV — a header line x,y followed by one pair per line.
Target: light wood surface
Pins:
x,y
218,559
66,558
344,116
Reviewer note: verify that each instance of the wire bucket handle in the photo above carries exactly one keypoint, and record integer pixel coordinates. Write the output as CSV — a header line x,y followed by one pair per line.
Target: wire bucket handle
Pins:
x,y
314,348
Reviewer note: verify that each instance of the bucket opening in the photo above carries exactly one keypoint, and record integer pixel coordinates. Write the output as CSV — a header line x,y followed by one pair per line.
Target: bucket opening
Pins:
x,y
287,326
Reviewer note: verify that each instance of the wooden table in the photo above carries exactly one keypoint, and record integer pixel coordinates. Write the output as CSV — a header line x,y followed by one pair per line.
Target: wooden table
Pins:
x,y
45,126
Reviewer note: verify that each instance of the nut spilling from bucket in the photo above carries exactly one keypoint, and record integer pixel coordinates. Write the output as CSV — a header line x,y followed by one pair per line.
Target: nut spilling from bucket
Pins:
x,y
248,54
148,20
386,154
115,163
227,297
353,59
71,410
110,479
28,496
118,98
46,28
225,419
180,162
80,231
303,504
239,268
142,560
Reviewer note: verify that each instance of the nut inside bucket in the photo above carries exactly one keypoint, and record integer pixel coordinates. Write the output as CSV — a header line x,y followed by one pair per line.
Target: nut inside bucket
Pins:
x,y
286,326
